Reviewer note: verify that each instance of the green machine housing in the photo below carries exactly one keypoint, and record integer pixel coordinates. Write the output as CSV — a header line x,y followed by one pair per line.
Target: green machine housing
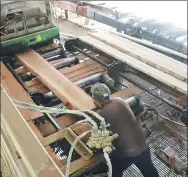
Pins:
x,y
24,25
30,40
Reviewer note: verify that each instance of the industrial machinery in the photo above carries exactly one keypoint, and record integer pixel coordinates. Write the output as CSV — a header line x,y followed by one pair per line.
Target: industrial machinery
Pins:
x,y
25,26
46,85
153,30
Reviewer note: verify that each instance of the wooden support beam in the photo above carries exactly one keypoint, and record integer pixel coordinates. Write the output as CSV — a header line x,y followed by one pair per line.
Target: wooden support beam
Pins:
x,y
70,136
54,137
64,121
8,82
80,66
82,128
57,83
36,159
151,45
43,89
16,91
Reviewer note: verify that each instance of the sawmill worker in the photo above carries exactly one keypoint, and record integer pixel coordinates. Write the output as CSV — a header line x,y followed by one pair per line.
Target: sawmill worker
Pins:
x,y
131,147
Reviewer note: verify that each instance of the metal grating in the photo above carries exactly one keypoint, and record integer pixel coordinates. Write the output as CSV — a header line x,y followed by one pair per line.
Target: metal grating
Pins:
x,y
159,139
145,97
156,140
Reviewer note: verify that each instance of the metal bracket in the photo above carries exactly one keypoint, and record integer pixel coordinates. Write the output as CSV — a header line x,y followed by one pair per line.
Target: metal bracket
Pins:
x,y
114,68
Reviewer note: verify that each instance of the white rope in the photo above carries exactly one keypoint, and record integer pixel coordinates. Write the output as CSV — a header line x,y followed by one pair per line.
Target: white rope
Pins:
x,y
107,158
34,107
71,151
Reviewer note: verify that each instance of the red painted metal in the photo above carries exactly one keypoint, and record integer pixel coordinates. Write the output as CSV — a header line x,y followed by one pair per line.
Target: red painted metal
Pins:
x,y
72,7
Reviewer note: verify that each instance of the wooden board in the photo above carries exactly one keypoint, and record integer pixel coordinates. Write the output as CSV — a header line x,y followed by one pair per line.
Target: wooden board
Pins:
x,y
127,92
137,64
64,121
36,159
16,91
9,82
150,44
144,54
62,87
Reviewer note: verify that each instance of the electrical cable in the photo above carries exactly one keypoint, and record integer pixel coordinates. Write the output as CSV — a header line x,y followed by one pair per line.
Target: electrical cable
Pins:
x,y
61,111
71,151
33,106
108,161
164,116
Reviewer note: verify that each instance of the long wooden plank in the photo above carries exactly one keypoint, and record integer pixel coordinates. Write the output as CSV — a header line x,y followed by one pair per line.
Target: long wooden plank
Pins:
x,y
144,54
8,83
16,91
151,71
150,44
33,154
64,89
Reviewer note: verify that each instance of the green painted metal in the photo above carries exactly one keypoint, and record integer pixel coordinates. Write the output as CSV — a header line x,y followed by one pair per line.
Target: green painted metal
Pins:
x,y
20,43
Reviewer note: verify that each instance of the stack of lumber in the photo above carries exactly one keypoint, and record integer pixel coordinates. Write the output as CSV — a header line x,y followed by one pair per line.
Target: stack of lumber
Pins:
x,y
162,68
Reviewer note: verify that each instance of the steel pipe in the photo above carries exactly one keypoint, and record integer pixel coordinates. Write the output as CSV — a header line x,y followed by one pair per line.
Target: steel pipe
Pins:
x,y
132,101
59,51
89,80
65,62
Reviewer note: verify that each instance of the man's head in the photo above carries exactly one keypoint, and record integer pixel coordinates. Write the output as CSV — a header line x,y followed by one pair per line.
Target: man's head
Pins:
x,y
100,92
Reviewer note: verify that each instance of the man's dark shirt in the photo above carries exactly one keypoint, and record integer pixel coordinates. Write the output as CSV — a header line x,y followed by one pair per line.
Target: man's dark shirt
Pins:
x,y
131,141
